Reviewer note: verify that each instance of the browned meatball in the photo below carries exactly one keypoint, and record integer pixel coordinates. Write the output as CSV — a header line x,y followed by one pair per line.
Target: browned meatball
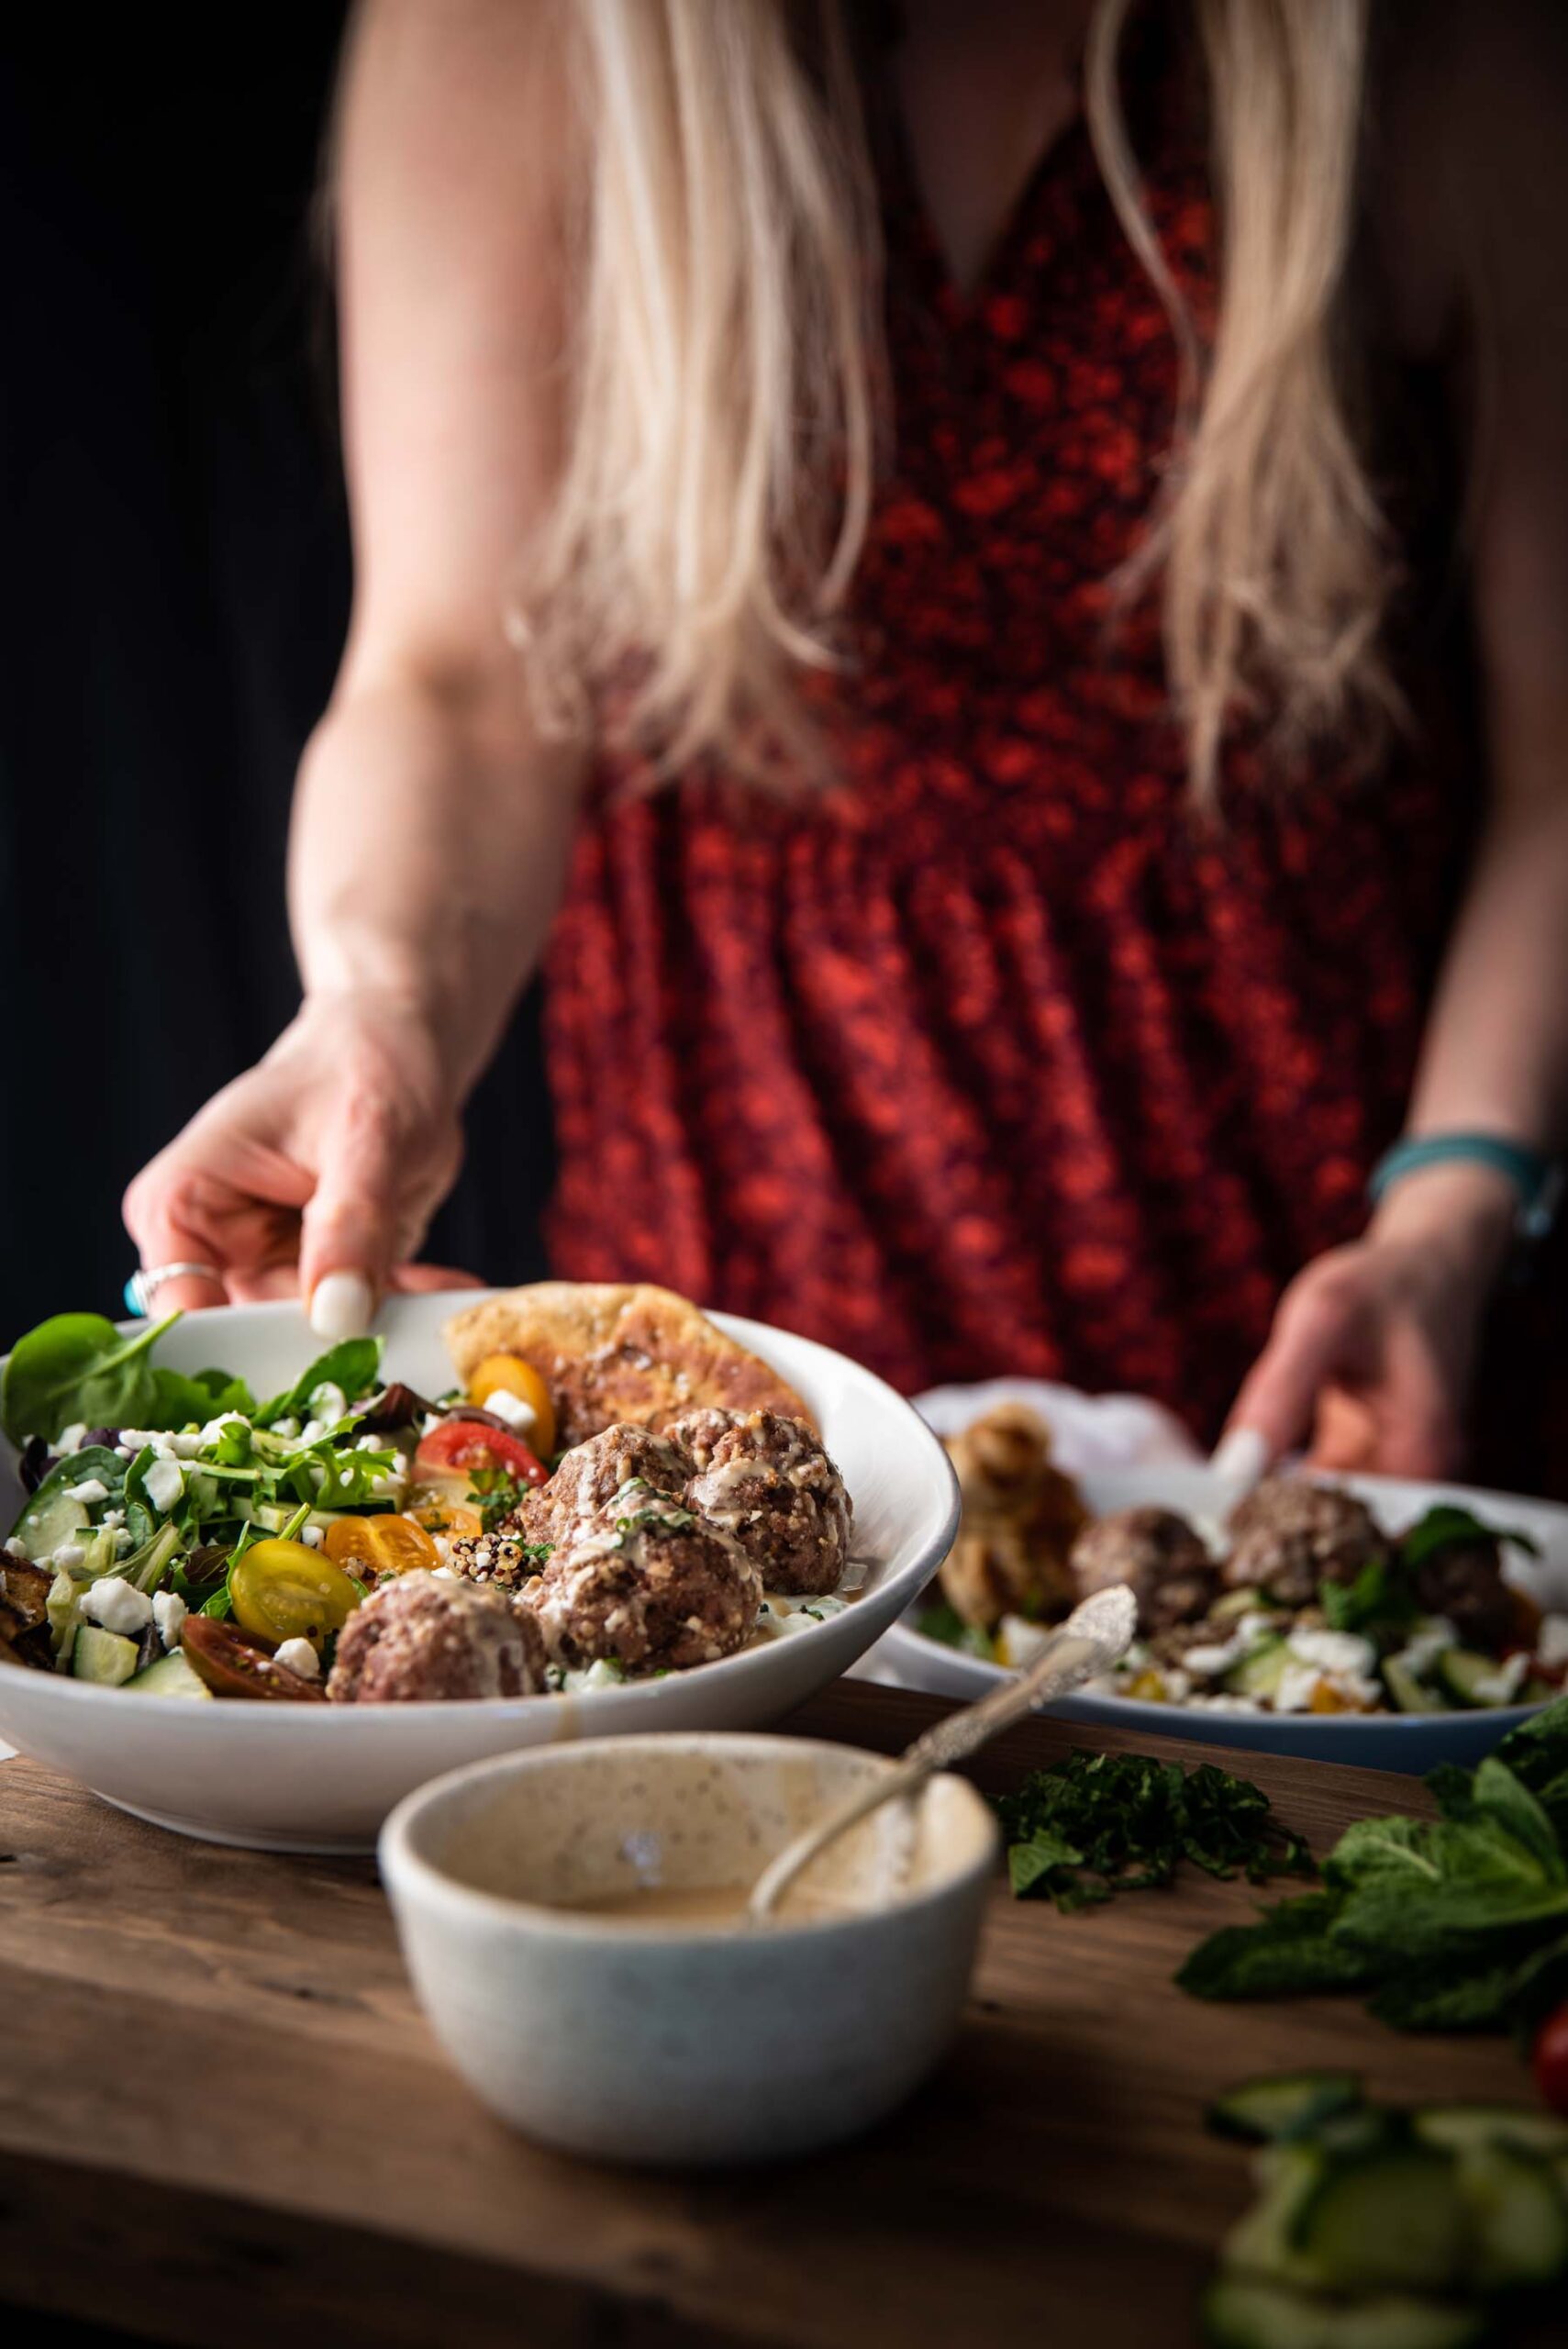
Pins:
x,y
767,1480
424,1636
1464,1581
1290,1535
654,1589
1161,1558
590,1476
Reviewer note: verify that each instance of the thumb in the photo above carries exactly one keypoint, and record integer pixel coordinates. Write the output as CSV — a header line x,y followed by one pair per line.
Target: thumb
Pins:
x,y
1278,1401
349,1232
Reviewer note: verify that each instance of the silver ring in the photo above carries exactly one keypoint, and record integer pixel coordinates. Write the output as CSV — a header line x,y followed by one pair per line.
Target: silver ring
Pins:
x,y
143,1285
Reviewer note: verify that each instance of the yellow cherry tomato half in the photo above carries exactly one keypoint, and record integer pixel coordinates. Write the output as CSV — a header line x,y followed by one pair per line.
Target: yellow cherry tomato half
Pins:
x,y
373,1546
519,1378
450,1518
285,1590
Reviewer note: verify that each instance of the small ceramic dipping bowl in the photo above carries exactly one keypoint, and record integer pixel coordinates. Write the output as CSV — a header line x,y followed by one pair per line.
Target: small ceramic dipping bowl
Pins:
x,y
664,2038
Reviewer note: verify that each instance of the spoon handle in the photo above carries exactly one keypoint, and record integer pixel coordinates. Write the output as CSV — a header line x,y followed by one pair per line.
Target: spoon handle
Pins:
x,y
1090,1641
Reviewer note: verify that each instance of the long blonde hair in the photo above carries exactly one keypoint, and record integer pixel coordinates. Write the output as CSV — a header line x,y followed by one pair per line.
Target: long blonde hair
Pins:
x,y
721,463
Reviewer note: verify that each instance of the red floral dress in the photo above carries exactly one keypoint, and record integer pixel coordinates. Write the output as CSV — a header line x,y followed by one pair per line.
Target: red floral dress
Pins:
x,y
995,1059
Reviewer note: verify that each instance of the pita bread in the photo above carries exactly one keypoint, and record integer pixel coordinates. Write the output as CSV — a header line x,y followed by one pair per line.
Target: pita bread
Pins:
x,y
610,1352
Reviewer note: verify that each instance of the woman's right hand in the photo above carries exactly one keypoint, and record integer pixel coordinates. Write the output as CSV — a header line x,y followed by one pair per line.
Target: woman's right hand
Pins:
x,y
329,1156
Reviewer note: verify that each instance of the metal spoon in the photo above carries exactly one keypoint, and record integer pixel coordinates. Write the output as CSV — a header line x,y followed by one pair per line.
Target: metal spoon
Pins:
x,y
1088,1642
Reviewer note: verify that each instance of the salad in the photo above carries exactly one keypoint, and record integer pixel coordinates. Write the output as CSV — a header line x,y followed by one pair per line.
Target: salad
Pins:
x,y
350,1538
1301,1602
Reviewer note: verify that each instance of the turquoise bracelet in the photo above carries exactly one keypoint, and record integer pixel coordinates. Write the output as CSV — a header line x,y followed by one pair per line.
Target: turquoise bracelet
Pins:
x,y
1536,1178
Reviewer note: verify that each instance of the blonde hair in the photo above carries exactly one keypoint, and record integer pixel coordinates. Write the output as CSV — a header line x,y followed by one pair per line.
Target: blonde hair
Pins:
x,y
718,478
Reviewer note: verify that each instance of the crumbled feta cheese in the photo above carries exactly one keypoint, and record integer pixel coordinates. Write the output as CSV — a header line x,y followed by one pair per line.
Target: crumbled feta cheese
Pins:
x,y
312,1431
215,1427
114,1518
345,1477
185,1444
444,1573
512,1408
67,1557
312,1536
166,1481
70,1438
118,1605
298,1655
1422,1648
388,1485
155,1440
91,1488
124,1544
1551,1641
1295,1687
14,1549
1335,1652
1209,1659
431,1421
1500,1687
328,1404
288,1428
124,1452
169,1611
1178,1686
369,1443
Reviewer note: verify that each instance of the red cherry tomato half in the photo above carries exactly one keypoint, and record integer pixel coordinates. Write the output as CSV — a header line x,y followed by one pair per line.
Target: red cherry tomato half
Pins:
x,y
1550,2060
467,1444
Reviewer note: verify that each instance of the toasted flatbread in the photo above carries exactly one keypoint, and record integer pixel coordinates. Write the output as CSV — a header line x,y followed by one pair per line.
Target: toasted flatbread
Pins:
x,y
609,1352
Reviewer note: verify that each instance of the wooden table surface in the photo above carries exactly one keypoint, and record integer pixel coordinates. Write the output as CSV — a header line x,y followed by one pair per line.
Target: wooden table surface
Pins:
x,y
223,2119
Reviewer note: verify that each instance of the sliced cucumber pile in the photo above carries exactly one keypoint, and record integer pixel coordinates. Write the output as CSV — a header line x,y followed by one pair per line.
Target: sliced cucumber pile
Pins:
x,y
1377,2227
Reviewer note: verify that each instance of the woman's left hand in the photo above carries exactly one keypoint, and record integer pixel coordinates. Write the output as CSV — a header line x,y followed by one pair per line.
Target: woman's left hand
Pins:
x,y
1370,1359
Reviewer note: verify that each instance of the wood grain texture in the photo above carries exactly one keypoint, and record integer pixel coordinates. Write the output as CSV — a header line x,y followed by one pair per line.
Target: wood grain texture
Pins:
x,y
221,2114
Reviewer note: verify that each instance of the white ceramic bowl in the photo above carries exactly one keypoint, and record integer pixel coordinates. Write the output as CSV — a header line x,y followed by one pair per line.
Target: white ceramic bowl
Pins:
x,y
1409,1742
321,1778
658,2042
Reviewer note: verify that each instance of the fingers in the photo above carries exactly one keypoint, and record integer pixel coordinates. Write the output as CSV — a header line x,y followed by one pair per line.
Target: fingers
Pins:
x,y
351,1230
164,1214
1278,1401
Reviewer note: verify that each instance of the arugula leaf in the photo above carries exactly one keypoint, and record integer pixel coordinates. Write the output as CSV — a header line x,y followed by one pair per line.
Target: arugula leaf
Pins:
x,y
76,1366
1290,1953
354,1365
1445,1525
1097,1824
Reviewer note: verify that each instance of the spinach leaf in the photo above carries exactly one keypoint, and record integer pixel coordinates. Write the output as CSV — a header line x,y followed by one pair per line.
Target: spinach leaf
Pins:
x,y
1438,1998
1537,1753
1290,1953
1380,1599
354,1366
76,1366
1445,1525
32,1527
177,1400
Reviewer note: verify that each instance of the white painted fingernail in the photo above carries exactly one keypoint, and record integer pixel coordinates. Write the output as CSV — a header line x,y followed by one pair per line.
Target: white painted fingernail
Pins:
x,y
1242,1457
341,1306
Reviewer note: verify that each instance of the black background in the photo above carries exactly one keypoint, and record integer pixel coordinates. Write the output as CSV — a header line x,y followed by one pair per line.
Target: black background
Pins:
x,y
175,581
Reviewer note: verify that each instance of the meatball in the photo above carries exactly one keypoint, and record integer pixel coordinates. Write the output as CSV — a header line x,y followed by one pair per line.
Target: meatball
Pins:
x,y
590,1476
1289,1536
426,1636
1158,1554
767,1480
655,1588
1463,1580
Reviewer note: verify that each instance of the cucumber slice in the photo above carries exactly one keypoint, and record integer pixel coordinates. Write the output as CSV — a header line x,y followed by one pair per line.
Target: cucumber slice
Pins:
x,y
1517,2216
107,1657
1264,2239
167,1676
1291,2104
53,1517
1410,1695
1245,2312
1260,1673
1393,2221
1464,1673
1458,2128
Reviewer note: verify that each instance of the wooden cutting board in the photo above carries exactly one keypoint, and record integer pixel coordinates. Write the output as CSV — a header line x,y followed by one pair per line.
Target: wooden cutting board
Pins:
x,y
223,2119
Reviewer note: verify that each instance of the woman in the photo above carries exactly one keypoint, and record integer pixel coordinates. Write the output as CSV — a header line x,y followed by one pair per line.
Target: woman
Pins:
x,y
987,746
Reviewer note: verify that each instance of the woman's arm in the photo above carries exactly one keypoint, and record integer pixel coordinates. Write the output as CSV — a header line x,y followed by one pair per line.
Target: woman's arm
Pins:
x,y
1373,1348
432,824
